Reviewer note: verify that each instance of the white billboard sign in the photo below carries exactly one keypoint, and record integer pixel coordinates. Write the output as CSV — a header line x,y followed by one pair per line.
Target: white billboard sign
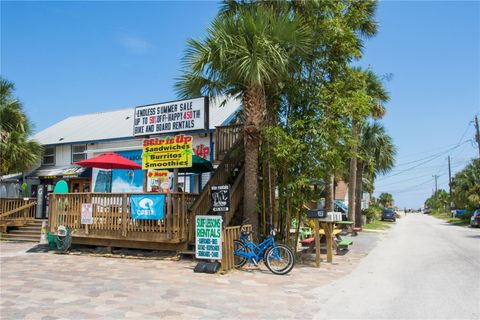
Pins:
x,y
175,116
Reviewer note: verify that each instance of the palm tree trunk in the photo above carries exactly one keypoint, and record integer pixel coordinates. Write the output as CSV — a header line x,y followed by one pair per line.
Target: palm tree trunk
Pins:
x,y
353,175
254,109
329,195
359,193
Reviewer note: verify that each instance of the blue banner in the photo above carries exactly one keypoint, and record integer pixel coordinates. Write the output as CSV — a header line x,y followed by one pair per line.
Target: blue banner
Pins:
x,y
147,206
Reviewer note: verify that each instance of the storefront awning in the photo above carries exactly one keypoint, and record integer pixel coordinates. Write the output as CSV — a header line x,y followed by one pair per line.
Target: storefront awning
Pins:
x,y
59,172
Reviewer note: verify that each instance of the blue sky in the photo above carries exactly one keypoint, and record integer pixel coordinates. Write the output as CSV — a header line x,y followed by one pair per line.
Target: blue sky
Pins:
x,y
69,58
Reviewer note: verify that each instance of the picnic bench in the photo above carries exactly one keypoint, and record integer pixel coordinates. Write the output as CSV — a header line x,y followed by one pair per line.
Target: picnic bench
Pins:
x,y
339,244
347,227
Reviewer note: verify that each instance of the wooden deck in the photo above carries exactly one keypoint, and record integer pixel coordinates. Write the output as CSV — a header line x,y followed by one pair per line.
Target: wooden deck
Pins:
x,y
114,226
16,212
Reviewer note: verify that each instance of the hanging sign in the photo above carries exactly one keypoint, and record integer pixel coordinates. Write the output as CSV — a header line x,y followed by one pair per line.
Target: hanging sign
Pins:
x,y
167,153
220,198
208,241
147,206
175,116
86,217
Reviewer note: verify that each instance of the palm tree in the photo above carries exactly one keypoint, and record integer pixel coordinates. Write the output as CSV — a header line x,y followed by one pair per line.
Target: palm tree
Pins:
x,y
244,53
17,153
385,199
376,156
466,186
377,97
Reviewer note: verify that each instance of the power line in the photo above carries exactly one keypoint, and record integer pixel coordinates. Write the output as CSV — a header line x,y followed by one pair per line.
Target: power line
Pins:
x,y
418,165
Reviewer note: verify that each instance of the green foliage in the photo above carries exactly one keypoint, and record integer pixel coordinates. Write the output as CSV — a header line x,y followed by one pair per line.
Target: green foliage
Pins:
x,y
372,213
466,187
385,199
440,200
17,152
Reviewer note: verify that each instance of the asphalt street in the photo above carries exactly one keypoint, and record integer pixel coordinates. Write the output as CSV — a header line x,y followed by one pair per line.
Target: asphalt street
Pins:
x,y
423,268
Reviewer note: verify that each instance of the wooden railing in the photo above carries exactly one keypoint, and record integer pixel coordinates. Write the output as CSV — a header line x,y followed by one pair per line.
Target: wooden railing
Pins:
x,y
112,217
225,138
222,175
15,211
228,235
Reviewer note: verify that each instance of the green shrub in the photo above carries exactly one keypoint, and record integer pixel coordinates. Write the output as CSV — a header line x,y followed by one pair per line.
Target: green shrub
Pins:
x,y
372,213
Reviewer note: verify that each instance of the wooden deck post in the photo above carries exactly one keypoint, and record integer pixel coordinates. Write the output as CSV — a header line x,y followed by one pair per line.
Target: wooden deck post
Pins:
x,y
124,215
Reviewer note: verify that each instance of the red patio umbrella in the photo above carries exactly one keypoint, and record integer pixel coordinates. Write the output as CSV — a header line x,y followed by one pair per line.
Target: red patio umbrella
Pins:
x,y
109,161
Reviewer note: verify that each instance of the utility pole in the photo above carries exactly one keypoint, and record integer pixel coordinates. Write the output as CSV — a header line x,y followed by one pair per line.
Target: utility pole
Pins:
x,y
477,134
436,176
450,183
449,177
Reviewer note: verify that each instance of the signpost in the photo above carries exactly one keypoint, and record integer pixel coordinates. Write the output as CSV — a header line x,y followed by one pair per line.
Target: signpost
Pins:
x,y
208,233
175,116
220,198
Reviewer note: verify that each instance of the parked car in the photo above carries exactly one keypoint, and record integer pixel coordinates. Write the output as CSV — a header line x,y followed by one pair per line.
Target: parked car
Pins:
x,y
426,211
388,214
460,213
475,219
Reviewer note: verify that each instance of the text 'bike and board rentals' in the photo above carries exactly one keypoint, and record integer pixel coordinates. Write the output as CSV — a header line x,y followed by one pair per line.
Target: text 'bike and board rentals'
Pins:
x,y
176,116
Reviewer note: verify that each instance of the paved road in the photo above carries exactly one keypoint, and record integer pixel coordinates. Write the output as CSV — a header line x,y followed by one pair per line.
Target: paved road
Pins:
x,y
422,268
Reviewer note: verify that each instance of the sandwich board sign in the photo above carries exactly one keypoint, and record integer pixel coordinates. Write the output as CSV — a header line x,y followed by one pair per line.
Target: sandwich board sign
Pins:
x,y
208,237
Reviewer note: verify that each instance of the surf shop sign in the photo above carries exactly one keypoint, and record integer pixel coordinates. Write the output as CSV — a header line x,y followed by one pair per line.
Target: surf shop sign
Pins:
x,y
167,153
175,116
208,237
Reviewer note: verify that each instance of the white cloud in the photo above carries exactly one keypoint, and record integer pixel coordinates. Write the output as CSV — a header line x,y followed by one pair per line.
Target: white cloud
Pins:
x,y
135,45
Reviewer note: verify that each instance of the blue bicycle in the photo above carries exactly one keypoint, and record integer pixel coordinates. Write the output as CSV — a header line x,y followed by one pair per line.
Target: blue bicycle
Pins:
x,y
278,258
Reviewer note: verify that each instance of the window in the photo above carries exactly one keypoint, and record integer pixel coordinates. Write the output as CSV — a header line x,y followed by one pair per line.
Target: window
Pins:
x,y
78,152
49,156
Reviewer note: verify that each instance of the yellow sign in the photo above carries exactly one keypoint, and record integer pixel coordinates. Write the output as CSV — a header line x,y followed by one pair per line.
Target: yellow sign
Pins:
x,y
167,153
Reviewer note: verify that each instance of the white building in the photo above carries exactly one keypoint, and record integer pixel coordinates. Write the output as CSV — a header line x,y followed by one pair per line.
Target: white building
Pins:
x,y
85,136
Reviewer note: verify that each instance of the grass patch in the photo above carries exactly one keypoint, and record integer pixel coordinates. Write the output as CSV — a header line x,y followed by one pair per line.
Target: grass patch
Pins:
x,y
377,225
447,216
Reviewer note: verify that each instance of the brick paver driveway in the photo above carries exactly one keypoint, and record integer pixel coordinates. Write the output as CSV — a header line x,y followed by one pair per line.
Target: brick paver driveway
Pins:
x,y
52,286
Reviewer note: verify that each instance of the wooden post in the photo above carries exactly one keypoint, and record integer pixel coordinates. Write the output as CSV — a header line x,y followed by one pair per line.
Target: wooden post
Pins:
x,y
317,243
53,214
25,212
89,200
124,215
328,233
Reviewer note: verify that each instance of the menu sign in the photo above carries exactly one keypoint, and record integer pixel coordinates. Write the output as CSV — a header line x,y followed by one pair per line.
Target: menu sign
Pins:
x,y
175,116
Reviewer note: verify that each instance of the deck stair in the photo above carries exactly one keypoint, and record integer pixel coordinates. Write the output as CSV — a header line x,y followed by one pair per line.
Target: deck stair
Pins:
x,y
28,233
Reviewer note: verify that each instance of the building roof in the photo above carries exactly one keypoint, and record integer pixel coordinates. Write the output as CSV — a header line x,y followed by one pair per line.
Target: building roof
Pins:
x,y
118,124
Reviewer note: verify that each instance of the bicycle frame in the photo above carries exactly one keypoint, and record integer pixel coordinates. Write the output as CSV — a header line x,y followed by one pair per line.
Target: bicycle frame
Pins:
x,y
255,252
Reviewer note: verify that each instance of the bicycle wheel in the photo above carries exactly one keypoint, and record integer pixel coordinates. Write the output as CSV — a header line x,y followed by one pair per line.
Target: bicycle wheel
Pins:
x,y
239,246
280,260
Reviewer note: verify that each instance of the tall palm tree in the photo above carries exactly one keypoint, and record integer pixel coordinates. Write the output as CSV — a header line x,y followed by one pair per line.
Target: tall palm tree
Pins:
x,y
377,96
376,156
17,152
244,53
